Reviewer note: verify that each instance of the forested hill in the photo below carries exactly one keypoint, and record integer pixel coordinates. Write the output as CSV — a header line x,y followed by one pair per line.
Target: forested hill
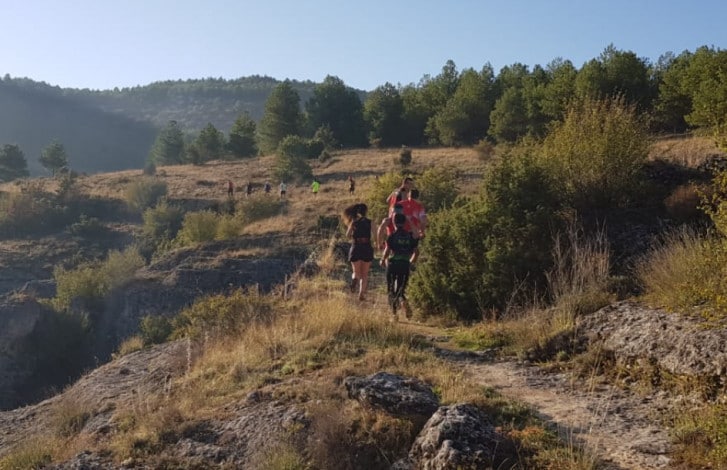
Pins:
x,y
192,103
107,130
33,115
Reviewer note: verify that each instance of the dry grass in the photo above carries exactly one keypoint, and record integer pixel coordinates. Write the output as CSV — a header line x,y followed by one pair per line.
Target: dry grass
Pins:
x,y
679,273
688,152
201,186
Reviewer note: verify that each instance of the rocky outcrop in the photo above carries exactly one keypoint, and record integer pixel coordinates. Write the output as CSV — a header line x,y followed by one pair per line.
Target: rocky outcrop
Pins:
x,y
676,343
161,289
394,394
22,319
458,436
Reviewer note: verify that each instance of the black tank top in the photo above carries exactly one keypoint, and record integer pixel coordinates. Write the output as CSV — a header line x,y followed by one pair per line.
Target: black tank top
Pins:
x,y
362,230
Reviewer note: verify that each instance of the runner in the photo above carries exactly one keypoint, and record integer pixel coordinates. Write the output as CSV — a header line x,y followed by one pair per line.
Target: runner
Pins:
x,y
401,251
361,253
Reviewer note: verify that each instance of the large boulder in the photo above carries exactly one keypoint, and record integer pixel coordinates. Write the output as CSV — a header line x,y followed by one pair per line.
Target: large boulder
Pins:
x,y
394,394
675,343
455,437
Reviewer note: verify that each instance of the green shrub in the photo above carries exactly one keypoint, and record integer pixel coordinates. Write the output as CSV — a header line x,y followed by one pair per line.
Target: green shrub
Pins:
x,y
294,146
478,251
31,211
595,154
404,157
290,168
228,226
88,227
438,188
150,169
258,208
154,329
485,150
162,222
381,188
90,282
223,314
81,284
144,193
198,227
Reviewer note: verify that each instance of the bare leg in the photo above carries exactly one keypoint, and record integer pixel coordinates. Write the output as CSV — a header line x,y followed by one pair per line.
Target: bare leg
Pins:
x,y
354,276
364,270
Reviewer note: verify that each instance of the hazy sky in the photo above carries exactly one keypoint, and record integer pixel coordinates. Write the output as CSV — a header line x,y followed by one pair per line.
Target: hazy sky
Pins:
x,y
103,44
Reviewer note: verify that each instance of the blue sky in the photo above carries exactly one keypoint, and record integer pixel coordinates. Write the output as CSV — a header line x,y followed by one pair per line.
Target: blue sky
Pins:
x,y
102,44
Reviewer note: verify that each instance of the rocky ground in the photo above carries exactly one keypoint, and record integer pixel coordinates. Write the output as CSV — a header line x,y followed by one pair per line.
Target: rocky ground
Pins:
x,y
619,427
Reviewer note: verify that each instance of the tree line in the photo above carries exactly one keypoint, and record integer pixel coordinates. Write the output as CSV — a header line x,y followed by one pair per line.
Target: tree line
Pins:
x,y
677,93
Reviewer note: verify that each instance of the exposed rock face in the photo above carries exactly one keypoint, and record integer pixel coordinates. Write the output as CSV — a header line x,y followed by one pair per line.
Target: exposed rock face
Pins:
x,y
396,395
458,436
674,342
20,317
163,288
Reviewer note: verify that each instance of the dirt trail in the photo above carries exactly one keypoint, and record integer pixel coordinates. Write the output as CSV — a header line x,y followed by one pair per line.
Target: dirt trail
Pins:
x,y
619,429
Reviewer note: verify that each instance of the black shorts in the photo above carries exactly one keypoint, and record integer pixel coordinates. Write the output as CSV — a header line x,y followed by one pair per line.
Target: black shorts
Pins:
x,y
363,252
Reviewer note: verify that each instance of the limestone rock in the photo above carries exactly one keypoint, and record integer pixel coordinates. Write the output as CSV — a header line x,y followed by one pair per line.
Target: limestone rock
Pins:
x,y
458,436
394,394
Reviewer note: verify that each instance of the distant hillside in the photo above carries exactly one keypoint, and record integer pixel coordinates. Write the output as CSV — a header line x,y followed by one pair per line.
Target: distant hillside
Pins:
x,y
109,130
192,103
32,115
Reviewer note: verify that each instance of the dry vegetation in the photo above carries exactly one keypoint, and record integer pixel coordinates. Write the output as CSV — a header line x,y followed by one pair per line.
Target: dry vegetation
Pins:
x,y
320,335
689,152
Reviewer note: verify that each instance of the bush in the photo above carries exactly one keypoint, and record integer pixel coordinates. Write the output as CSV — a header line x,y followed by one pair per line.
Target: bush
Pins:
x,y
32,211
228,226
404,157
595,154
144,193
223,314
289,168
298,147
479,251
687,271
438,188
88,227
324,156
379,191
258,208
150,169
684,204
154,329
162,222
89,283
198,227
485,150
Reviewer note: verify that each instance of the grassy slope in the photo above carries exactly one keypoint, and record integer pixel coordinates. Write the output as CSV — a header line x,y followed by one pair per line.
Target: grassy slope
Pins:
x,y
385,348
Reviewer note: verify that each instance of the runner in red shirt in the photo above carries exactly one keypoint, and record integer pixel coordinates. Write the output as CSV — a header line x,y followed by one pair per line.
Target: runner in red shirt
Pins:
x,y
414,210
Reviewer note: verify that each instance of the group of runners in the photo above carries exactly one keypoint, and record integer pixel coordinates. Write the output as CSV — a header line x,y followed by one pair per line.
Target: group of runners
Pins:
x,y
397,236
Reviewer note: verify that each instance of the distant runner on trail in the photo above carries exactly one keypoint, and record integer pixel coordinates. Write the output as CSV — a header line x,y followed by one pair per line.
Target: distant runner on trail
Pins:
x,y
283,189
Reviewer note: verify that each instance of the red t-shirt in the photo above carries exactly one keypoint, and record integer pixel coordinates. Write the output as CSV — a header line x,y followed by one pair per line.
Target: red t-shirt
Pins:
x,y
414,211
